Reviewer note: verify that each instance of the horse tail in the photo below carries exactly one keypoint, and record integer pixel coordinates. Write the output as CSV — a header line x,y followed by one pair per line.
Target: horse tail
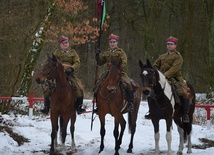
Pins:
x,y
187,130
188,126
192,90
130,121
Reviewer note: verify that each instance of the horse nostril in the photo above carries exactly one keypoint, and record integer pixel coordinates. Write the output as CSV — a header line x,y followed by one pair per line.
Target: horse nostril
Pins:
x,y
111,91
38,81
146,92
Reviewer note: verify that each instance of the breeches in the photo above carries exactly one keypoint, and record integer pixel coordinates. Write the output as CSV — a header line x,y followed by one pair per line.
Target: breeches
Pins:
x,y
78,87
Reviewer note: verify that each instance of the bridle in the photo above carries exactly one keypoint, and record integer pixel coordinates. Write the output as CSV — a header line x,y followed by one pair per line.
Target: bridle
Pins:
x,y
151,85
151,73
52,71
111,87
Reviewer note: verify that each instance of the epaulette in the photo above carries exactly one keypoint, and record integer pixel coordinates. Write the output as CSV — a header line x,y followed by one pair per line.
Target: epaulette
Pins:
x,y
119,49
72,50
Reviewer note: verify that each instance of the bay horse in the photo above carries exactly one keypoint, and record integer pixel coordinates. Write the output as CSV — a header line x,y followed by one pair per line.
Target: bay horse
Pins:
x,y
162,106
62,101
110,100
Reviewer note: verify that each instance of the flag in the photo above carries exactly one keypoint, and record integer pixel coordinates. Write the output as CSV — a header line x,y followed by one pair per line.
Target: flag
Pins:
x,y
102,12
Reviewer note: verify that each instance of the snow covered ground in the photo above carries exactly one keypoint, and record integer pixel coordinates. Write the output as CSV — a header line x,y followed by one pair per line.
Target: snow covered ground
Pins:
x,y
38,132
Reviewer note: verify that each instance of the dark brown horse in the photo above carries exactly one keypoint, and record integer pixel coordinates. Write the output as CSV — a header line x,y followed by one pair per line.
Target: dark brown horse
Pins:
x,y
110,100
162,106
62,102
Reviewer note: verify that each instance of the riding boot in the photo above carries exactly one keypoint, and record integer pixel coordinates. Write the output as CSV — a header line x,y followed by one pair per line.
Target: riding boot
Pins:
x,y
79,103
130,98
46,108
186,111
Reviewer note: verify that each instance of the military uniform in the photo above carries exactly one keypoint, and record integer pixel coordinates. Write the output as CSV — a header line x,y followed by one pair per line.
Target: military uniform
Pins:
x,y
170,64
116,54
71,63
71,59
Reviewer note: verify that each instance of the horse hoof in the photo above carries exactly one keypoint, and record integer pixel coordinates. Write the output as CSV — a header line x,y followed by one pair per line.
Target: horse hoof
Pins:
x,y
179,153
116,153
51,153
129,151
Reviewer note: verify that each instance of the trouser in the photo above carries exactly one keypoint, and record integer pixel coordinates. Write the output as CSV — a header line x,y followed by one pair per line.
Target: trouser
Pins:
x,y
77,86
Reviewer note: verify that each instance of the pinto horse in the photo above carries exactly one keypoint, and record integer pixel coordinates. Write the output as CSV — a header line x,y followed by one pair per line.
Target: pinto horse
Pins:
x,y
61,103
162,106
111,100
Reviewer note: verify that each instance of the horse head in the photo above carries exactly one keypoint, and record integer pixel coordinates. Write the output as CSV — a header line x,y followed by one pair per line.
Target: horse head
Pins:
x,y
114,75
148,76
49,69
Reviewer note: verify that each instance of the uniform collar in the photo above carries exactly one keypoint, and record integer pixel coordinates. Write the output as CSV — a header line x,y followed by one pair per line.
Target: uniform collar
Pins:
x,y
113,50
65,51
171,52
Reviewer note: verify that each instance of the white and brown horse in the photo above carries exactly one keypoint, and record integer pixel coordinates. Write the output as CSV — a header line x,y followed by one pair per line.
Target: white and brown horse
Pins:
x,y
162,106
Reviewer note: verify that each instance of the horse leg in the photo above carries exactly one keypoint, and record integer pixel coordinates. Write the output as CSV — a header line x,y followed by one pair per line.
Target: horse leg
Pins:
x,y
63,132
56,138
60,126
102,131
181,136
189,144
188,129
54,122
169,135
123,126
119,120
72,128
155,123
132,118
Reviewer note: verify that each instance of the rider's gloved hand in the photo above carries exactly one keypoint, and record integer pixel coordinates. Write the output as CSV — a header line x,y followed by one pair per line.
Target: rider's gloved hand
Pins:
x,y
69,71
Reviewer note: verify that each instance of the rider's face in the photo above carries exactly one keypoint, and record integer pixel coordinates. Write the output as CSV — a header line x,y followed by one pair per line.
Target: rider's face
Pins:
x,y
64,45
113,44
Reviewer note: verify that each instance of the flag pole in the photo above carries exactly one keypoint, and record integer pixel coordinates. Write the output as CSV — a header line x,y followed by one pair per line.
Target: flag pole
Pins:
x,y
102,12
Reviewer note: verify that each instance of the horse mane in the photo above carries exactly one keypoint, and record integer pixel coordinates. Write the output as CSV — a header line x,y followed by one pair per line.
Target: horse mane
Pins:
x,y
160,78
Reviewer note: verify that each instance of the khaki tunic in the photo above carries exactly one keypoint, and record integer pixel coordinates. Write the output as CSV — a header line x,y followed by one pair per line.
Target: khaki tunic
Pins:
x,y
170,65
116,54
72,59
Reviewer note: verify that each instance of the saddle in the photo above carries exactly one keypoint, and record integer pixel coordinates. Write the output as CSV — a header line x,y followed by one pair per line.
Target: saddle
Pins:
x,y
187,92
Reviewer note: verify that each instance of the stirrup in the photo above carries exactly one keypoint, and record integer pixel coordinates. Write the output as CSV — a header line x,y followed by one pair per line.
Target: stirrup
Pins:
x,y
148,116
95,110
80,111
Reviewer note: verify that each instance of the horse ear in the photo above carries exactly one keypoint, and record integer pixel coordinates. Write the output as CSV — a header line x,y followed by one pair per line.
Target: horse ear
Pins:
x,y
54,58
148,63
140,64
48,55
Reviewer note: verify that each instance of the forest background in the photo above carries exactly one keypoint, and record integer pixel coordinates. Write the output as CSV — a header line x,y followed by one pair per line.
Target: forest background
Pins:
x,y
29,29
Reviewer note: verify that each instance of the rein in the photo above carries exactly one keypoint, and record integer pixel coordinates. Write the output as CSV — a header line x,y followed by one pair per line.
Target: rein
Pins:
x,y
155,97
52,85
108,94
